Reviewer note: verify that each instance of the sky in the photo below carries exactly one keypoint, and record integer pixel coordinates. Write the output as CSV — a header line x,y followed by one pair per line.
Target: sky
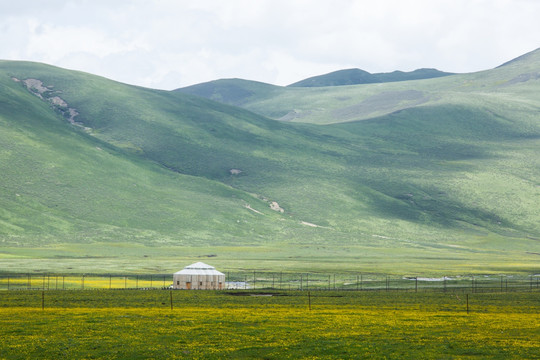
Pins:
x,y
167,44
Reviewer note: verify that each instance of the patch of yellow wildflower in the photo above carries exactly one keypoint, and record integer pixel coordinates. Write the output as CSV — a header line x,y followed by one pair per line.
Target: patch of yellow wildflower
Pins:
x,y
255,331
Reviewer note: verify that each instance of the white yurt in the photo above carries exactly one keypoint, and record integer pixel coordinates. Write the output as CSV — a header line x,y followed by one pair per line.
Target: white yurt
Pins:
x,y
199,276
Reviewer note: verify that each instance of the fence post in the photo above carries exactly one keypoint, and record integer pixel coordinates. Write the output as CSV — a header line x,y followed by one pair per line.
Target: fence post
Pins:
x,y
416,284
82,282
42,300
8,282
467,303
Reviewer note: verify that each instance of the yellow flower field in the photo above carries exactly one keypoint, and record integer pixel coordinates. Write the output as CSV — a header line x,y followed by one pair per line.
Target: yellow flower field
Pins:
x,y
221,326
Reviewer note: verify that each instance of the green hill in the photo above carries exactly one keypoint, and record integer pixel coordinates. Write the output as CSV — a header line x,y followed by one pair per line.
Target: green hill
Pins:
x,y
62,183
358,76
231,91
440,175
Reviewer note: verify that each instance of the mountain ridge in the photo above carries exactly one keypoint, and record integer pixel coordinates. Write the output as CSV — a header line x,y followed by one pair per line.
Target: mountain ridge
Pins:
x,y
237,91
358,76
277,104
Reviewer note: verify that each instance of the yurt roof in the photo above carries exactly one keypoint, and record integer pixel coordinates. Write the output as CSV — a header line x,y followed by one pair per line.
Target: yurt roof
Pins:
x,y
199,268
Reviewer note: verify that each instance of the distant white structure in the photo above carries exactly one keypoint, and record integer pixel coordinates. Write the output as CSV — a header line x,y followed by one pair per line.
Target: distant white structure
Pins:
x,y
199,276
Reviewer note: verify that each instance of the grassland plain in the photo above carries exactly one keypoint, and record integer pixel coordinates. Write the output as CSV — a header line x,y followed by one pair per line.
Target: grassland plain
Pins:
x,y
214,325
440,174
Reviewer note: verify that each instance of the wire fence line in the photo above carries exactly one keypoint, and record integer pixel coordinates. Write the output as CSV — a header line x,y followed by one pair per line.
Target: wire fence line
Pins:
x,y
259,280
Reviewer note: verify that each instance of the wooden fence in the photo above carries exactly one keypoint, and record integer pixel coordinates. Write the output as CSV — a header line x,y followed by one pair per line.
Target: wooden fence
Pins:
x,y
258,280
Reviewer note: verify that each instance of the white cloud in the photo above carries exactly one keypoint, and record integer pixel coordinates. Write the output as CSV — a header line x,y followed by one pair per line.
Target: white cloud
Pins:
x,y
168,44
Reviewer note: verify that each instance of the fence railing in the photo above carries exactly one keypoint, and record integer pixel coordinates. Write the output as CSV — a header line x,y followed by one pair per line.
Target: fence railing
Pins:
x,y
254,280
381,282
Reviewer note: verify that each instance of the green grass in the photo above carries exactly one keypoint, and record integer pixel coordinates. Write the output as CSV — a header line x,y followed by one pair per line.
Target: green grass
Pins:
x,y
437,169
214,325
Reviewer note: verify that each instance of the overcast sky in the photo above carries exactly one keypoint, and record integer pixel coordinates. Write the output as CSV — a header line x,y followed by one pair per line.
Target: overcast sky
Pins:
x,y
174,43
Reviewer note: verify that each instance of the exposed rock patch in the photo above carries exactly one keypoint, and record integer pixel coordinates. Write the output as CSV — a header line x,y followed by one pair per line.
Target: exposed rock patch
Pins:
x,y
58,101
36,86
72,113
46,93
275,206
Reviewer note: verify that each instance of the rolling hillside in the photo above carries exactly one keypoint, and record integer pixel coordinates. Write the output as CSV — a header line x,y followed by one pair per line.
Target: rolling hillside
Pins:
x,y
60,184
515,80
439,174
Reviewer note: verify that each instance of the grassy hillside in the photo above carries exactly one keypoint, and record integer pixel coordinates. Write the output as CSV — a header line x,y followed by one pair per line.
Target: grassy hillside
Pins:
x,y
357,76
440,174
60,184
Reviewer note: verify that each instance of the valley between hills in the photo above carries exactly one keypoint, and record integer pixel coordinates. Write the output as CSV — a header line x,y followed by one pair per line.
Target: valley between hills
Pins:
x,y
435,175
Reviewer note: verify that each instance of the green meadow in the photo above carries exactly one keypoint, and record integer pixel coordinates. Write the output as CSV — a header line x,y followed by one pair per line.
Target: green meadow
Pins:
x,y
279,325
